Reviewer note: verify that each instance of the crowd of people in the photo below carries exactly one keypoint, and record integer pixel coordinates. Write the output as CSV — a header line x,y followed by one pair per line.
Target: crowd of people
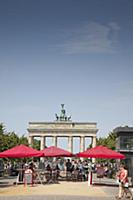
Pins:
x,y
74,169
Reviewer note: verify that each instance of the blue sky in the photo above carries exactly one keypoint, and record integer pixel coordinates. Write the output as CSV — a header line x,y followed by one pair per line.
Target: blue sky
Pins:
x,y
75,52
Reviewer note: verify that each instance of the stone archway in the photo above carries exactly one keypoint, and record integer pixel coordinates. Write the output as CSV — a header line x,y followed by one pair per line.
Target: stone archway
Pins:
x,y
63,126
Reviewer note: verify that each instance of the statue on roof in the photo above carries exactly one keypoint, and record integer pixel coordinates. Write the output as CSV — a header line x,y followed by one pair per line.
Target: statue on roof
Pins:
x,y
63,113
57,117
63,116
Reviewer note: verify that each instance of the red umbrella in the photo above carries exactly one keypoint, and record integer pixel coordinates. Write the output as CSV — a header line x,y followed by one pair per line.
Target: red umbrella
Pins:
x,y
55,152
20,151
100,152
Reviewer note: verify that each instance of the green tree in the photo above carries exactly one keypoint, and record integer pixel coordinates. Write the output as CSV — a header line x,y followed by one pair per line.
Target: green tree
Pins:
x,y
13,139
2,130
36,144
23,140
101,141
109,141
10,139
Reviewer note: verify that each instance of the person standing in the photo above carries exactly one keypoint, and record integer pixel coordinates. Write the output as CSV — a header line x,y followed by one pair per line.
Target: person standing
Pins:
x,y
123,183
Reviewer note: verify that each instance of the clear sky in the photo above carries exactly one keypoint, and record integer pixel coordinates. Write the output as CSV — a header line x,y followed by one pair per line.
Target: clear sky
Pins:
x,y
75,52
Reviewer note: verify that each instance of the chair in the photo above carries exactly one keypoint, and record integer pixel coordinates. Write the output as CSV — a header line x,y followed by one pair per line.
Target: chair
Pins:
x,y
75,175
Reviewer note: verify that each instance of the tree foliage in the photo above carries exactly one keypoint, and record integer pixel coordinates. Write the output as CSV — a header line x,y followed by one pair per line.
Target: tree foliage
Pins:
x,y
23,140
36,144
10,139
109,141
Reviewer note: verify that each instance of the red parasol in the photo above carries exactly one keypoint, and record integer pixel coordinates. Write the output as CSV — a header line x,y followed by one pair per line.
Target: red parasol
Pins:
x,y
20,151
53,151
100,152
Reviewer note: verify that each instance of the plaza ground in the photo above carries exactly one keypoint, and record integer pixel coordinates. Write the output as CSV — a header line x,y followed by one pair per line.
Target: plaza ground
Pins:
x,y
104,189
63,188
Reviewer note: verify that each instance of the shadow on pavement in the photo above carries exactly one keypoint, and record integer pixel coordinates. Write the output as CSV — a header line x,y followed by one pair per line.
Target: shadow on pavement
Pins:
x,y
105,184
4,184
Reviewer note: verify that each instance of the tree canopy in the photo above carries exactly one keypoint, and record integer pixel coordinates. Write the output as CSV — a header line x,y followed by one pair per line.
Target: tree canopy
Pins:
x,y
109,141
10,139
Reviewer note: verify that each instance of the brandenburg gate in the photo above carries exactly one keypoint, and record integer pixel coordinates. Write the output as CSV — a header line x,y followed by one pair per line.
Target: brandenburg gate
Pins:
x,y
63,126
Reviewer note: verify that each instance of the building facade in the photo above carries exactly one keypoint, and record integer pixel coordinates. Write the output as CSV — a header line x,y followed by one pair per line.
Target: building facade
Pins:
x,y
124,145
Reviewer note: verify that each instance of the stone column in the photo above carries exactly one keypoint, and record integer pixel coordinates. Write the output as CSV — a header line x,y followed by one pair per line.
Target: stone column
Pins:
x,y
42,143
82,143
30,140
54,141
93,145
93,141
42,146
70,144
